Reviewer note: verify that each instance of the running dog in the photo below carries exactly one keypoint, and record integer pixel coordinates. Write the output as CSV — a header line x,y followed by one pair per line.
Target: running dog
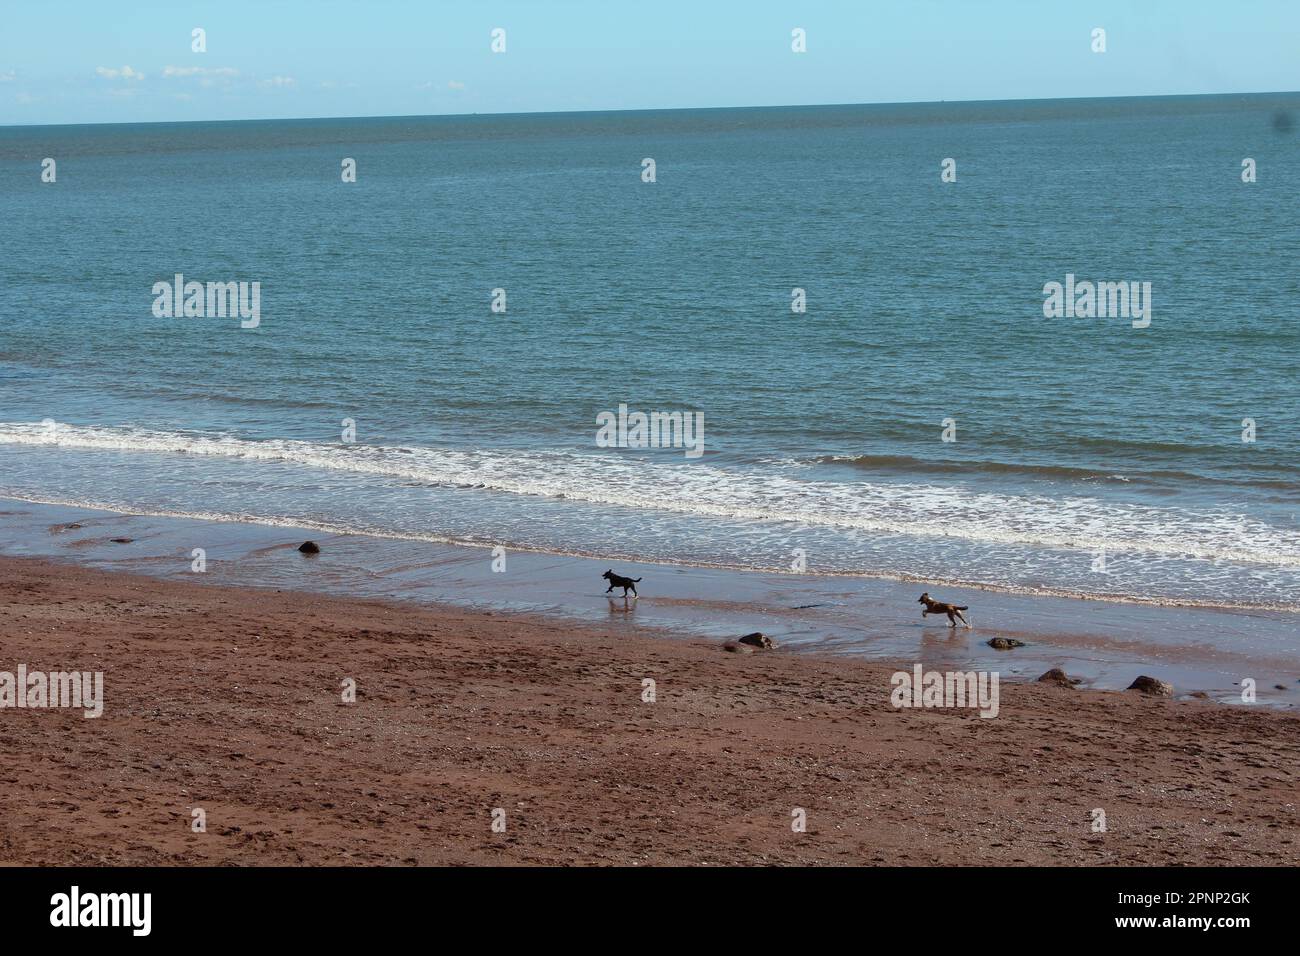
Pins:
x,y
953,611
618,581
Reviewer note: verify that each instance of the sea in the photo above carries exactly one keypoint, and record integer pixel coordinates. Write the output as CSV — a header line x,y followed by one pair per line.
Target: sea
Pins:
x,y
847,303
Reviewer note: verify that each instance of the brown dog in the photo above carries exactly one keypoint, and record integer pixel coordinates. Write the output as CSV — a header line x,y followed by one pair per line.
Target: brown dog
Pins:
x,y
938,607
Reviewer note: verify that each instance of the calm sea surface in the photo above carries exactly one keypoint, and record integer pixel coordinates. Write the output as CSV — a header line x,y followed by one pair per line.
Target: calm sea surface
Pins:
x,y
1090,457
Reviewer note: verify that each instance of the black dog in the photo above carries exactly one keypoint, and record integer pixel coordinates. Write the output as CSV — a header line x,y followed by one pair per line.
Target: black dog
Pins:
x,y
618,581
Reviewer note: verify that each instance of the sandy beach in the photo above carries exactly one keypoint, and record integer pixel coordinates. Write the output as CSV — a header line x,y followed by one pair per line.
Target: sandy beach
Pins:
x,y
229,700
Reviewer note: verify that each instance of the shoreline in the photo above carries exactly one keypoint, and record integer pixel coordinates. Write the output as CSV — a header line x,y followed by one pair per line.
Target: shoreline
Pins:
x,y
226,699
1105,643
865,575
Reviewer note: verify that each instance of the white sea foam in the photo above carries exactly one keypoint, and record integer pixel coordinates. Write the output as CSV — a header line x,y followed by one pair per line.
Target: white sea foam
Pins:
x,y
699,488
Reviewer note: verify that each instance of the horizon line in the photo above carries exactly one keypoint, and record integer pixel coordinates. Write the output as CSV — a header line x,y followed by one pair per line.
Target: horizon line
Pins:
x,y
667,109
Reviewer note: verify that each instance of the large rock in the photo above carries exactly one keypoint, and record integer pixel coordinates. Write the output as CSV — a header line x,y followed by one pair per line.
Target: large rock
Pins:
x,y
758,639
1005,643
1059,678
1149,685
309,547
736,648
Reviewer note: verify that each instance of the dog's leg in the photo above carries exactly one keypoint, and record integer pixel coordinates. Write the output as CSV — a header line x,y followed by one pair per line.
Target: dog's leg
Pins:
x,y
634,594
608,589
963,618
952,621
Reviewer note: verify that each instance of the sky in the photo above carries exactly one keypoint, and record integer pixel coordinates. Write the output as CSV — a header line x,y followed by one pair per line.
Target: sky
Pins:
x,y
113,61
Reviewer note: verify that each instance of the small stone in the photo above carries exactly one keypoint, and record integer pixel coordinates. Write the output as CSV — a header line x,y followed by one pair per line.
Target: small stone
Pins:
x,y
309,547
1005,643
758,639
1058,677
1152,686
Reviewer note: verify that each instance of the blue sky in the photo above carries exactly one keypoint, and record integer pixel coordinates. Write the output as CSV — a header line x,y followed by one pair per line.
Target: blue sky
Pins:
x,y
67,62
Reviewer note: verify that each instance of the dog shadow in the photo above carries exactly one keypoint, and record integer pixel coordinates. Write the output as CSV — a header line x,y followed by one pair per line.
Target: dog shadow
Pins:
x,y
625,606
929,627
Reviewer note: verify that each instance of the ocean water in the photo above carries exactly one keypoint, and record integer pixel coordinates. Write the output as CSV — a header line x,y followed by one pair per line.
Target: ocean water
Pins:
x,y
1091,458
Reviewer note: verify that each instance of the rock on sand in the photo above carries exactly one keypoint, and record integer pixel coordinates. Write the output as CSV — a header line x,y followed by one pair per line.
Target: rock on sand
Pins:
x,y
1059,678
1149,685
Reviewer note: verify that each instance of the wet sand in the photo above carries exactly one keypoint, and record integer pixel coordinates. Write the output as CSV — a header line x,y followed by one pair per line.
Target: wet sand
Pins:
x,y
228,699
1106,643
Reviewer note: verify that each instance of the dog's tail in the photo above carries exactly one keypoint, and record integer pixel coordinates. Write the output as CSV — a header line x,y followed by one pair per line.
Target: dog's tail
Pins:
x,y
961,607
637,580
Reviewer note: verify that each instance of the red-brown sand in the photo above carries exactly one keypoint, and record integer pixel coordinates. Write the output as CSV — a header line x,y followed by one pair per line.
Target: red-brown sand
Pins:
x,y
229,700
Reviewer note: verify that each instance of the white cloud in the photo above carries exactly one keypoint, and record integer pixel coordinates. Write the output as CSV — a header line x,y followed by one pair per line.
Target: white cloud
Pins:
x,y
280,81
183,71
8,76
455,85
125,73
